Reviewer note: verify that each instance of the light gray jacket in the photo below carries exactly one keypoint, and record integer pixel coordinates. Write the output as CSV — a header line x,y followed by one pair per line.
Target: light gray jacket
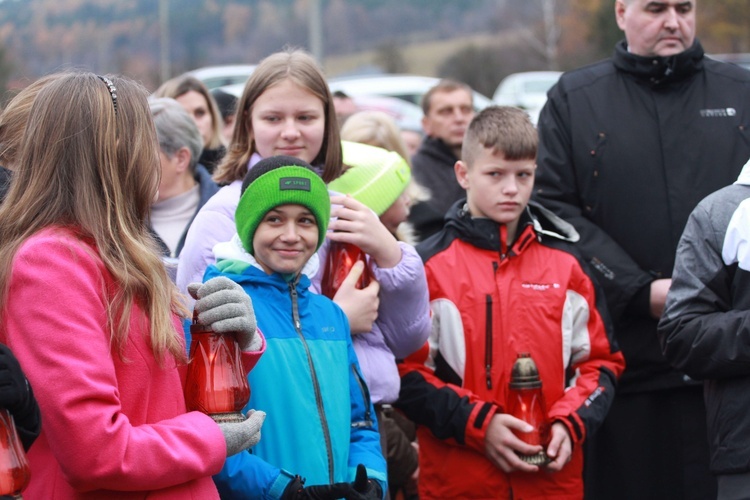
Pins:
x,y
705,328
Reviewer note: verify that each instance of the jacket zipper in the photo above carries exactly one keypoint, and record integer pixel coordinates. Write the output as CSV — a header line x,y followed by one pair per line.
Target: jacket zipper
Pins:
x,y
488,341
488,332
367,422
316,384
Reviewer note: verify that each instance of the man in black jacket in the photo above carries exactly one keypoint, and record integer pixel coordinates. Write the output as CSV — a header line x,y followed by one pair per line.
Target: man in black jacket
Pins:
x,y
448,109
628,147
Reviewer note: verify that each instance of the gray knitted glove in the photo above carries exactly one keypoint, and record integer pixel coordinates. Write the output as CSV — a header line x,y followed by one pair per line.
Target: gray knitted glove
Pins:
x,y
224,306
243,435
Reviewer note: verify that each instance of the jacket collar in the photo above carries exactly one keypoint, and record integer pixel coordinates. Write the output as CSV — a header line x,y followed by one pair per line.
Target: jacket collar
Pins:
x,y
438,149
658,71
231,258
536,223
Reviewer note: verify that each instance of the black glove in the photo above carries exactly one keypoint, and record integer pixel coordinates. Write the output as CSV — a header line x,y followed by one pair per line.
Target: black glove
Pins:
x,y
17,397
296,490
363,488
14,389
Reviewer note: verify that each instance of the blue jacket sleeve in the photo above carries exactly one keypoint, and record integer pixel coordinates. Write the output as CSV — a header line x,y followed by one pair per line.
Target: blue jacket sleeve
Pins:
x,y
245,476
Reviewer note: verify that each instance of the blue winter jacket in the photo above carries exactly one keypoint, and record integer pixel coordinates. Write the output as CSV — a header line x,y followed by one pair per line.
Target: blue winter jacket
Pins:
x,y
320,421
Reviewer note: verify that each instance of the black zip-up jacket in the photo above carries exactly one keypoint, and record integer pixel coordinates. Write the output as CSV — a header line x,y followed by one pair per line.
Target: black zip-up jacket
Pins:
x,y
628,147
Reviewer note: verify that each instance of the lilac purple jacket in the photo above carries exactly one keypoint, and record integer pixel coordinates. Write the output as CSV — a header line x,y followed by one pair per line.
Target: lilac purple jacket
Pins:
x,y
402,327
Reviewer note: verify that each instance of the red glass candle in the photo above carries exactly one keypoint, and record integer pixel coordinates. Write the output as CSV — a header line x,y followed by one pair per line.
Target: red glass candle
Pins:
x,y
526,402
216,380
14,468
340,260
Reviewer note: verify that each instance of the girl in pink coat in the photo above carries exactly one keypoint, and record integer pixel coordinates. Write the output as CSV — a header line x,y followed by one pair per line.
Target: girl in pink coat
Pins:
x,y
89,310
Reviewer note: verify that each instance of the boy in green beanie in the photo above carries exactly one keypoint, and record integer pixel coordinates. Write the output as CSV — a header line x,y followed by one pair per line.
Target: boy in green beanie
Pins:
x,y
320,422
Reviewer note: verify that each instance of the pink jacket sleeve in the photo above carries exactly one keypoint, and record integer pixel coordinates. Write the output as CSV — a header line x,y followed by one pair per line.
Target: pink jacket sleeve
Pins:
x,y
109,423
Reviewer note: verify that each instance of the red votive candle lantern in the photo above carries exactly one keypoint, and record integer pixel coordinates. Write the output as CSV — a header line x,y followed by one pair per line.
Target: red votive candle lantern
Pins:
x,y
340,260
216,380
526,402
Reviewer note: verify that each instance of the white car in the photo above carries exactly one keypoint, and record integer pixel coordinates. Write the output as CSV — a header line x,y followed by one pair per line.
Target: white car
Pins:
x,y
407,87
219,76
526,90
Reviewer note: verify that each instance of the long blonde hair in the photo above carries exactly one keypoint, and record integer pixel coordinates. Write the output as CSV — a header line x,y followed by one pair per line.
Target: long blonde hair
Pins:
x,y
375,128
299,67
94,168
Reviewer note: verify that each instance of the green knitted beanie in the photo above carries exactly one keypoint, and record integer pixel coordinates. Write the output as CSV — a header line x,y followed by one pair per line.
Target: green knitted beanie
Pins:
x,y
275,181
375,177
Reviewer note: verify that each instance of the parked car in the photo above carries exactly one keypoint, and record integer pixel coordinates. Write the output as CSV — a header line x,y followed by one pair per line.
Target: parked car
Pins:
x,y
526,90
219,76
407,87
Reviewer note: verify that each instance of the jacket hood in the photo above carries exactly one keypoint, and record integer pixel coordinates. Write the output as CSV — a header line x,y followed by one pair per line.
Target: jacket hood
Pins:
x,y
659,70
744,177
484,233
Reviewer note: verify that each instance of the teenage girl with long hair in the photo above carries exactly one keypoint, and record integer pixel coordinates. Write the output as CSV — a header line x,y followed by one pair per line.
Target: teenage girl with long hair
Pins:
x,y
90,313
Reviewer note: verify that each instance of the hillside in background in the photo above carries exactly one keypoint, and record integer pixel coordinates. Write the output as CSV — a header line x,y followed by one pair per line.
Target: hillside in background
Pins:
x,y
479,41
124,35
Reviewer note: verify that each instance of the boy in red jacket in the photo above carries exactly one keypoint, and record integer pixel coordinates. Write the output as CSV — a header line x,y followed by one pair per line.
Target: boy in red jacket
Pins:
x,y
504,278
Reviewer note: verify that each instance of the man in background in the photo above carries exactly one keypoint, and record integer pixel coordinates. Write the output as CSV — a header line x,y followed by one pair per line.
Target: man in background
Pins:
x,y
344,105
628,147
448,108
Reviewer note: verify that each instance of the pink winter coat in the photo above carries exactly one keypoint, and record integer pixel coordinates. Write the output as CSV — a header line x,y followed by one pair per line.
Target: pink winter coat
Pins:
x,y
111,427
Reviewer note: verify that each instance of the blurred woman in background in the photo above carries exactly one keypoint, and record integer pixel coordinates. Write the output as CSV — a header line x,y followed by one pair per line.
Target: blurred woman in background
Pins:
x,y
195,97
